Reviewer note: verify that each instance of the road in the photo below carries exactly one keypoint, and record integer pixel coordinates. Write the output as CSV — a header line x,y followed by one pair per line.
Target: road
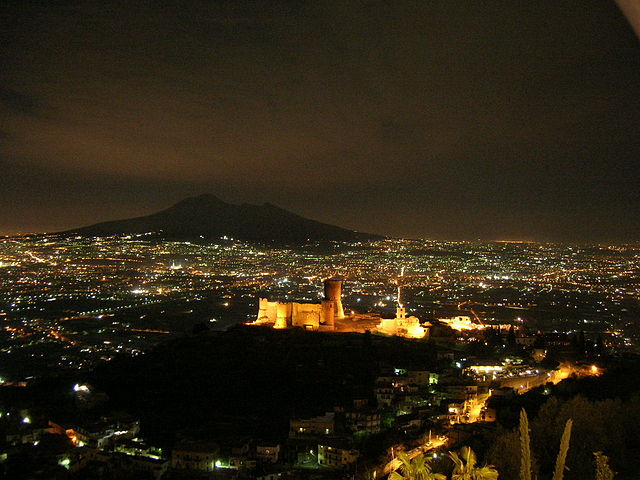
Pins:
x,y
525,383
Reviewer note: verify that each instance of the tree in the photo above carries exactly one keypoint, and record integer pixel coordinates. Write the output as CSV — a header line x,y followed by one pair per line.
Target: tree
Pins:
x,y
511,337
504,453
525,447
415,469
581,342
603,471
558,473
465,467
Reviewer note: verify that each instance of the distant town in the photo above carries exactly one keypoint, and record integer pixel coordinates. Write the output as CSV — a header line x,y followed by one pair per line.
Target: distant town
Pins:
x,y
443,333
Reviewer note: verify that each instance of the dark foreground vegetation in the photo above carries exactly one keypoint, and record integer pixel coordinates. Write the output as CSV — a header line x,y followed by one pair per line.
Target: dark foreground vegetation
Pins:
x,y
605,412
248,380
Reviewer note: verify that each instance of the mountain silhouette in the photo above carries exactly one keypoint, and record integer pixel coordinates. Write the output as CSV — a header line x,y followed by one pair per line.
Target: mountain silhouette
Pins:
x,y
208,217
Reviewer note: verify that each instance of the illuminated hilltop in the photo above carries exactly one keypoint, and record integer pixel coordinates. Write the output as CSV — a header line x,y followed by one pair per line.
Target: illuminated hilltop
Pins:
x,y
328,315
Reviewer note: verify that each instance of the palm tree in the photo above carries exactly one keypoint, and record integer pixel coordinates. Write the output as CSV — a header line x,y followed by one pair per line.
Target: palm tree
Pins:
x,y
465,467
416,469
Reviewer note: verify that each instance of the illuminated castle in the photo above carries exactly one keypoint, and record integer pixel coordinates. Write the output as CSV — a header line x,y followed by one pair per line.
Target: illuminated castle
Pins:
x,y
310,316
328,315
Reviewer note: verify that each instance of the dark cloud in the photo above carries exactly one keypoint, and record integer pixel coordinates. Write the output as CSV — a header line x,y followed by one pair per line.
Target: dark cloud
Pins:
x,y
17,103
448,119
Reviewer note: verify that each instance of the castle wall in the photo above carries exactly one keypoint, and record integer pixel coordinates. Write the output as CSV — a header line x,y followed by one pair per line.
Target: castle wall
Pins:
x,y
328,314
293,314
267,311
388,326
306,315
402,326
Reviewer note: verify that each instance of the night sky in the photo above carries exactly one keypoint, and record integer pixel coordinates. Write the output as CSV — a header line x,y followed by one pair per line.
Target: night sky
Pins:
x,y
441,119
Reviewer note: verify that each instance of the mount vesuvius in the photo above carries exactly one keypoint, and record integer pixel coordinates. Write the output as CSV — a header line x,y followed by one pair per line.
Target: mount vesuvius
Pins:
x,y
208,217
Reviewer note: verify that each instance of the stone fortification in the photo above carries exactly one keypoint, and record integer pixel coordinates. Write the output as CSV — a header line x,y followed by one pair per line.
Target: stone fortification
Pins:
x,y
310,316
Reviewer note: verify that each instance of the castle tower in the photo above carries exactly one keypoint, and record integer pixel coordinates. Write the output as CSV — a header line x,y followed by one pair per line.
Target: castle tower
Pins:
x,y
283,315
267,311
327,314
333,292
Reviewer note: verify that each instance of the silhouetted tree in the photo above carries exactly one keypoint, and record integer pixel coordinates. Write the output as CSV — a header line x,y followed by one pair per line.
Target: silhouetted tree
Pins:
x,y
511,337
525,447
581,343
558,473
603,471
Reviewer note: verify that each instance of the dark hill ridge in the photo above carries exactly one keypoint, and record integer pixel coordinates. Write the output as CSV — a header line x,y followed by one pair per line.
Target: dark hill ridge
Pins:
x,y
250,380
210,217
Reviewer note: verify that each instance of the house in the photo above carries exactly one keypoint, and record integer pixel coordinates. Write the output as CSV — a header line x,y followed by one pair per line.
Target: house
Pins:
x,y
336,453
268,452
203,456
304,427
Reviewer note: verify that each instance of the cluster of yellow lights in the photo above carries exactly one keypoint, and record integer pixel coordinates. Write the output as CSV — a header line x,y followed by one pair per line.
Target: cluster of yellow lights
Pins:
x,y
461,323
486,368
416,331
